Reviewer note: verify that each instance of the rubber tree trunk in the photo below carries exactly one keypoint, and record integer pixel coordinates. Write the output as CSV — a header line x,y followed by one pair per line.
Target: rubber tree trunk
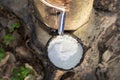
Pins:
x,y
98,32
77,16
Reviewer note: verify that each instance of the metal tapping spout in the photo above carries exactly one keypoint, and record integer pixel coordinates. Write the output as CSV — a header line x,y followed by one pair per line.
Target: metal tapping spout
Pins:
x,y
62,15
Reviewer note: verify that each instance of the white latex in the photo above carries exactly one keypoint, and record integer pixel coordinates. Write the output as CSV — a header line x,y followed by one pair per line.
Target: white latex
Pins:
x,y
65,52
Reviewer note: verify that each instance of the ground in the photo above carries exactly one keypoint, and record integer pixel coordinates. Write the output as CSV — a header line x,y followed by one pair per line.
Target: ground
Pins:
x,y
22,51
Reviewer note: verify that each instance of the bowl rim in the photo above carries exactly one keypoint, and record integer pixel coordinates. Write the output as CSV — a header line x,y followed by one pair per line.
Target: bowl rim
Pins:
x,y
77,39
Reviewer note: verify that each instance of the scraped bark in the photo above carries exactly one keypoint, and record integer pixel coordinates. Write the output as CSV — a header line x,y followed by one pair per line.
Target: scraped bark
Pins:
x,y
77,16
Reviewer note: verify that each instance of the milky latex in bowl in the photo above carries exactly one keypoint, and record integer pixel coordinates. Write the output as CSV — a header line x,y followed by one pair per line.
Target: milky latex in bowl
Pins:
x,y
65,52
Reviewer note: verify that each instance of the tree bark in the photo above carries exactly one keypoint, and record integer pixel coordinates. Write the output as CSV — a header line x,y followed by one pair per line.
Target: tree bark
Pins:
x,y
99,31
77,16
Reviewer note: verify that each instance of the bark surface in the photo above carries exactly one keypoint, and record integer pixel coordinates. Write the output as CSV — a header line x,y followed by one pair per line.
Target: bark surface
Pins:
x,y
100,36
